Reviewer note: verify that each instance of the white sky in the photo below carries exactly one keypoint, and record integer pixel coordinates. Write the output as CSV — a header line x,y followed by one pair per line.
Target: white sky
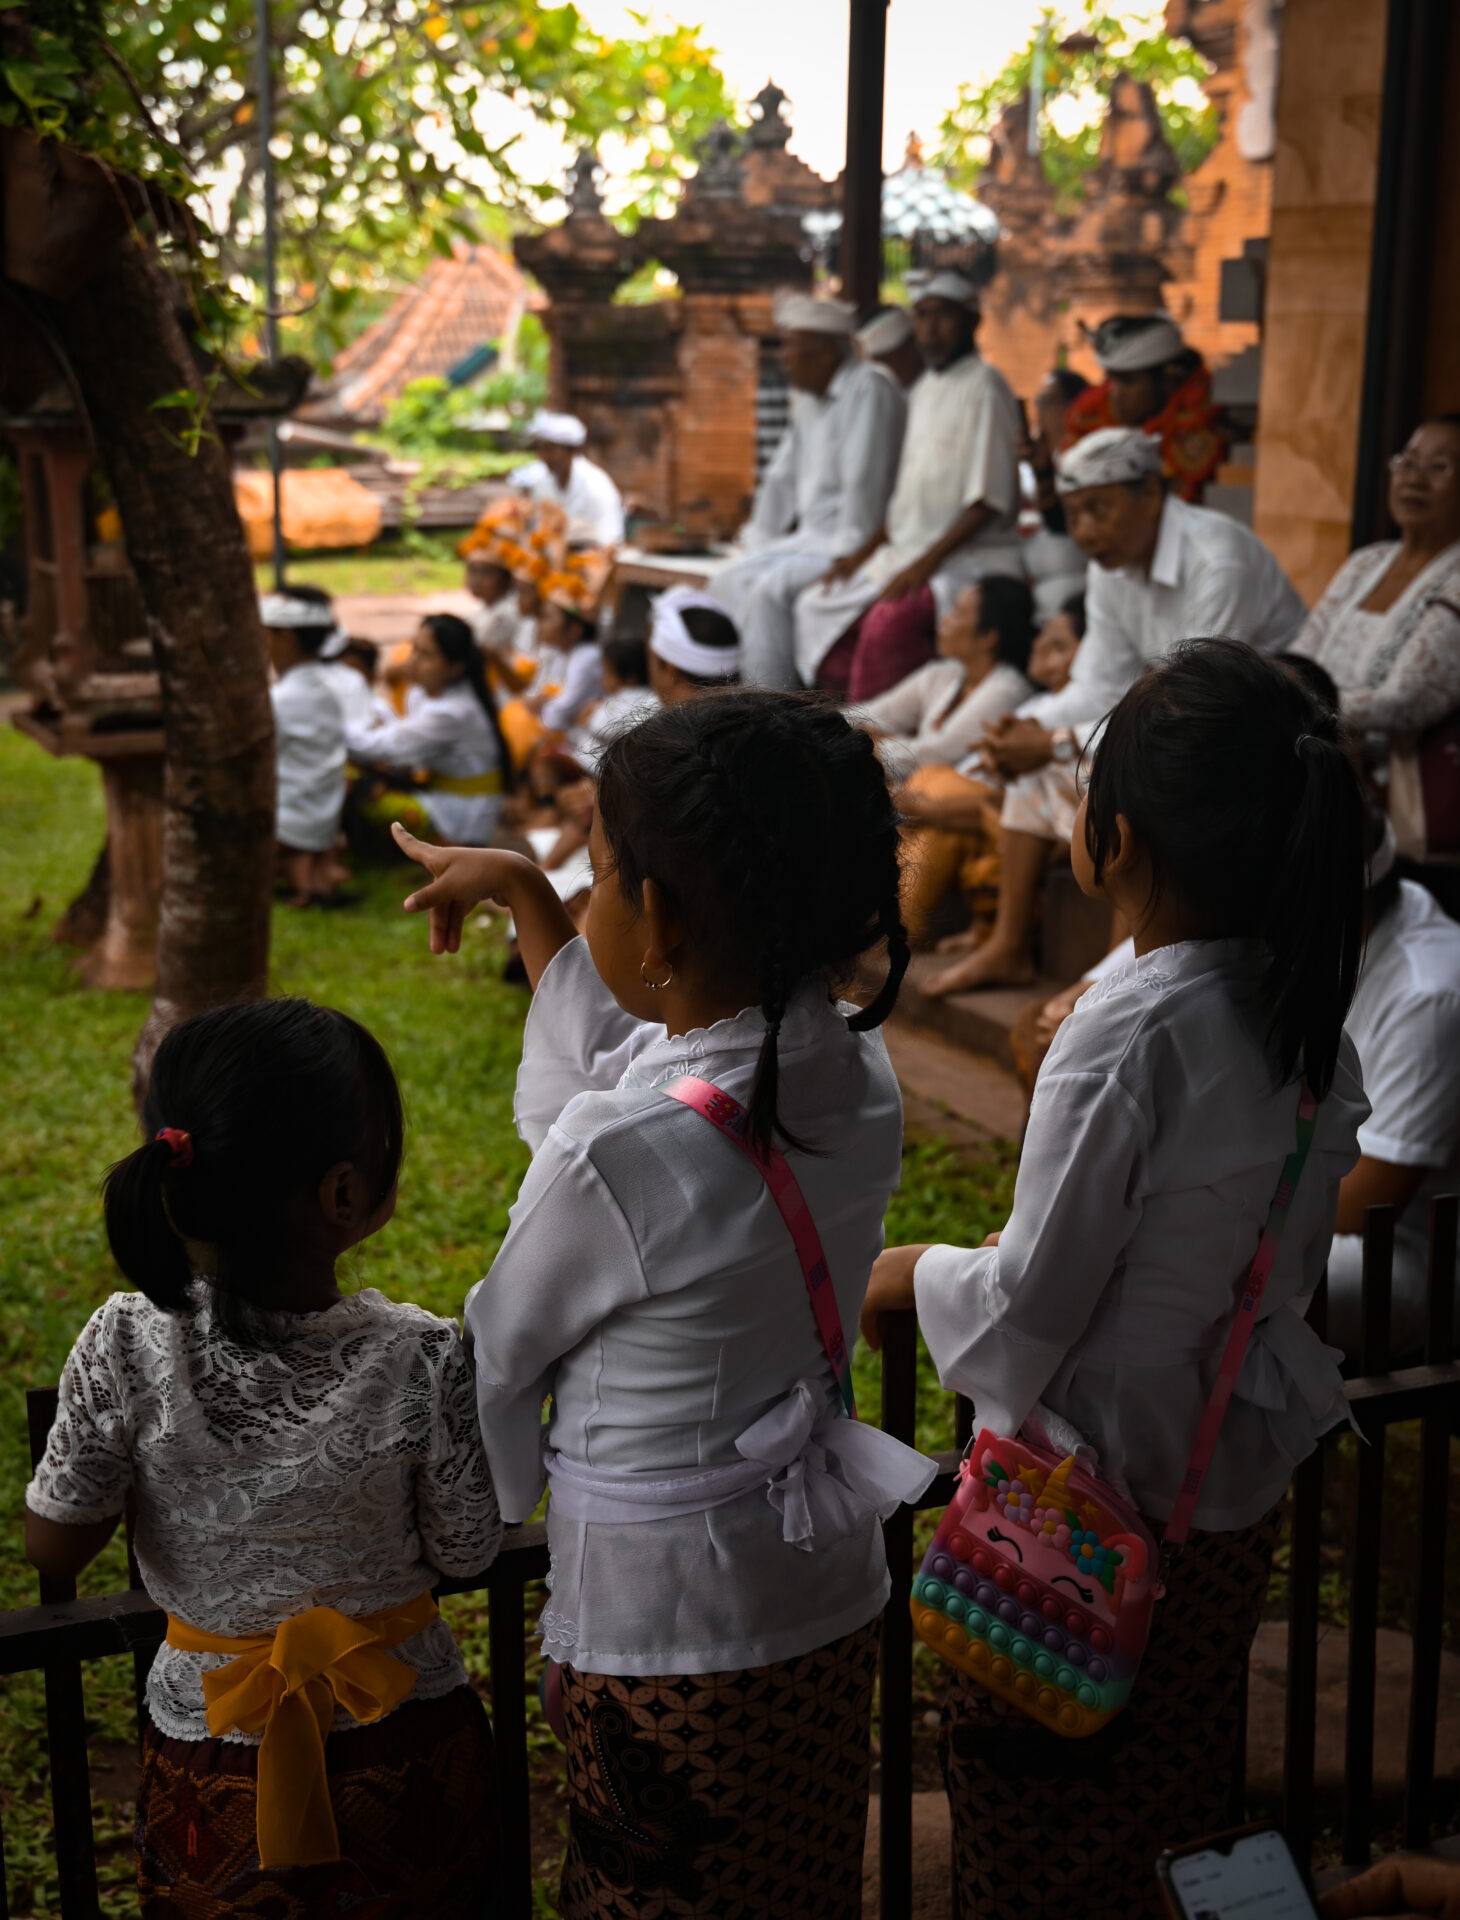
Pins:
x,y
802,46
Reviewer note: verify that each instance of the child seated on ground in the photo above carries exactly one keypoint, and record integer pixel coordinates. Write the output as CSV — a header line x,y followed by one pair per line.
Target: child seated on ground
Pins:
x,y
309,744
627,697
302,1465
693,645
717,1557
1224,821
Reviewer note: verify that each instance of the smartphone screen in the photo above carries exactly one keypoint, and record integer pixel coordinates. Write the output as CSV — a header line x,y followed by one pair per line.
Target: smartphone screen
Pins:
x,y
1250,1877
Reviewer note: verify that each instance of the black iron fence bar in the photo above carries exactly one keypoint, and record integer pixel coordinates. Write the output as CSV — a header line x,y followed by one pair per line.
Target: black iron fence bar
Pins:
x,y
1434,1500
1363,1616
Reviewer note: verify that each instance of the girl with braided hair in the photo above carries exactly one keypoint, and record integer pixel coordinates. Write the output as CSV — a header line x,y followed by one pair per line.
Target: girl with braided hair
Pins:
x,y
718,1570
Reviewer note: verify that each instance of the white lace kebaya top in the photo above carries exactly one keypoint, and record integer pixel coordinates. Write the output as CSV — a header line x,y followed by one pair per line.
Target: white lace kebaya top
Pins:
x,y
1155,1141
341,1467
649,1284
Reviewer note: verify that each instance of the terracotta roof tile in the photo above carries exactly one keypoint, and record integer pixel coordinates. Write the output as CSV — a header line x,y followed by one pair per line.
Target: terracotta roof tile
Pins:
x,y
455,305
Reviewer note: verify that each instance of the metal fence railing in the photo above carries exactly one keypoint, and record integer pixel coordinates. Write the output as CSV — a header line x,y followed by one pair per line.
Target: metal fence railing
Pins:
x,y
62,1634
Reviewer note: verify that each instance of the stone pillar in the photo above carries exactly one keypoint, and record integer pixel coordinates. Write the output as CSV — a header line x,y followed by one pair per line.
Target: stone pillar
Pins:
x,y
1317,283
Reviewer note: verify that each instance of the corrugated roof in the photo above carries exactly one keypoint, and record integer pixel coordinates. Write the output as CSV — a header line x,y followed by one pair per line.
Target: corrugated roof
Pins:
x,y
454,307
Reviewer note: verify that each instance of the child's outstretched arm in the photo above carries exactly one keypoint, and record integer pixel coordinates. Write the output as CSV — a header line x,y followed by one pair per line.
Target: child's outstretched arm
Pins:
x,y
463,877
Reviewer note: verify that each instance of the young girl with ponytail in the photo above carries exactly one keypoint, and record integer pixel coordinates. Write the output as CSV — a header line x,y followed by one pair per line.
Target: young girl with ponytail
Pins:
x,y
718,1570
301,1466
450,733
1225,821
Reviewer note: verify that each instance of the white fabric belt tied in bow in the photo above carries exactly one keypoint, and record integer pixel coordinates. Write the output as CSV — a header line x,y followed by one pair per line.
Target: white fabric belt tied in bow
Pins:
x,y
824,1474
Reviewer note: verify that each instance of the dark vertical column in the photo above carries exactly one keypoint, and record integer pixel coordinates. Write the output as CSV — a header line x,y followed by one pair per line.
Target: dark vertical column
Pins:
x,y
861,241
1401,264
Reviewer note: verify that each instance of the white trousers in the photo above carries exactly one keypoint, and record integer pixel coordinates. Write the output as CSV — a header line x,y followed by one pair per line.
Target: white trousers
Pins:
x,y
759,593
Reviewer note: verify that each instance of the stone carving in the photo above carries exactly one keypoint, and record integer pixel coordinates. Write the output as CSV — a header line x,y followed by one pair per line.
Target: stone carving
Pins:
x,y
769,128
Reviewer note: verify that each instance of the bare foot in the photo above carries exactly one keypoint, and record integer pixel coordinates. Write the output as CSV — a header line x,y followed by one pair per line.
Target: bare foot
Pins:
x,y
991,966
965,942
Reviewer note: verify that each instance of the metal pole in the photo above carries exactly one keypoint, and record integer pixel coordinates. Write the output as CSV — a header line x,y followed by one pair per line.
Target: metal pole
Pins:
x,y
1036,83
271,323
861,247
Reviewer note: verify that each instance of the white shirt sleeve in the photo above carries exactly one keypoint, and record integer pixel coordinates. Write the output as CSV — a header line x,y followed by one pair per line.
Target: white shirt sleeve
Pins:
x,y
1220,607
991,474
456,1505
998,1321
541,1298
774,510
594,499
900,710
582,682
949,740
871,445
86,1470
1410,1078
577,1039
403,741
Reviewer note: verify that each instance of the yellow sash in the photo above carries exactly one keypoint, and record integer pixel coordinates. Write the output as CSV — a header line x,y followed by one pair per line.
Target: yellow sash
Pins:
x,y
468,783
285,1685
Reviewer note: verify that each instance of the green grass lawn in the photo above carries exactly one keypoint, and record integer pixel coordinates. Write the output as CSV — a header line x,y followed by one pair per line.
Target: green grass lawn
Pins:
x,y
453,1030
411,563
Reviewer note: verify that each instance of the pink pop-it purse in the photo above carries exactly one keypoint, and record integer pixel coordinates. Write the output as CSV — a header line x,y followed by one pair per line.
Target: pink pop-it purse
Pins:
x,y
1041,1580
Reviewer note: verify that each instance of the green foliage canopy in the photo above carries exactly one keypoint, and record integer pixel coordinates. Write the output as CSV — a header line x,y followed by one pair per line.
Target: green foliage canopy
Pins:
x,y
379,110
1122,43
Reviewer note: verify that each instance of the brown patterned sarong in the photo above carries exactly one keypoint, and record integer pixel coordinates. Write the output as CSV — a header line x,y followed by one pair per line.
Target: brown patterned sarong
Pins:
x,y
1050,1827
414,1805
741,1796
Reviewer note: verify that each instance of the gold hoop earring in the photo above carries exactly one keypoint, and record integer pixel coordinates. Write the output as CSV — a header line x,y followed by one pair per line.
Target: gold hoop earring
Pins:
x,y
654,986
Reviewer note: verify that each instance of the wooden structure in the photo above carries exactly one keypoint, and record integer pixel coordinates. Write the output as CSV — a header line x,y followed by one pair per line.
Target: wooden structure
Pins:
x,y
85,657
62,1634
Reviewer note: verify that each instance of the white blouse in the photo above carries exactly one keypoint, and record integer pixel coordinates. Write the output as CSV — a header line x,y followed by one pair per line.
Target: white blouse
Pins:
x,y
649,1284
1154,1146
309,757
446,733
934,719
340,1467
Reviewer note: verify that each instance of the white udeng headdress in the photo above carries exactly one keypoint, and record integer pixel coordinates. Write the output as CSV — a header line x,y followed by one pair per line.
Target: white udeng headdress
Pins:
x,y
672,640
804,313
885,333
282,610
558,429
1106,457
944,285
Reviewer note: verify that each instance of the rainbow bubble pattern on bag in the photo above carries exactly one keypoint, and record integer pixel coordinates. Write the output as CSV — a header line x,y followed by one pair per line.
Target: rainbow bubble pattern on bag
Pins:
x,y
1039,1585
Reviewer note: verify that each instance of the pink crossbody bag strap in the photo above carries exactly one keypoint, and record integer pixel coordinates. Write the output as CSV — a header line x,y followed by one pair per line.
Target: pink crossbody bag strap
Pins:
x,y
726,1113
1253,1288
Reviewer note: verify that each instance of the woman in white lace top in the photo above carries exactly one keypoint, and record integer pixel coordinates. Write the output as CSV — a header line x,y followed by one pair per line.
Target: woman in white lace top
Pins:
x,y
1388,628
300,1467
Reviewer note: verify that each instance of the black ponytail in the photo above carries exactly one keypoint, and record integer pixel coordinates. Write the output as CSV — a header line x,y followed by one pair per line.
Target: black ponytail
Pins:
x,y
1236,782
457,645
765,818
246,1108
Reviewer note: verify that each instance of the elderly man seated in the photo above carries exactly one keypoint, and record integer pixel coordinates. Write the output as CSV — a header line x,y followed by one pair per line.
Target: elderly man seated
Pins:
x,y
563,474
1153,381
1161,572
951,518
826,489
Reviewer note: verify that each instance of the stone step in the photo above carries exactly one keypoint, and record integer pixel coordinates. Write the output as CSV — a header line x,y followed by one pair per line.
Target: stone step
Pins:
x,y
979,1021
963,1097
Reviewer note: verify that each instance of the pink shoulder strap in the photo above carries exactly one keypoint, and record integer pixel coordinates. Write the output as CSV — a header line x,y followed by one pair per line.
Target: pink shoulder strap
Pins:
x,y
726,1113
1253,1288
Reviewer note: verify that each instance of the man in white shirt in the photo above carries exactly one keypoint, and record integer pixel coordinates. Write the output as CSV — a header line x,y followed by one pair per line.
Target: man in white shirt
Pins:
x,y
1161,572
826,489
1405,1024
565,475
951,518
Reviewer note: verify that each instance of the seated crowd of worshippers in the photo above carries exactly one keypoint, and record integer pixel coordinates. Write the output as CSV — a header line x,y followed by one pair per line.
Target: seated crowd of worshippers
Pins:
x,y
980,594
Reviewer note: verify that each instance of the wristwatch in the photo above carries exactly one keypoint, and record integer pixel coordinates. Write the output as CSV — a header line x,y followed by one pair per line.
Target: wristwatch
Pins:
x,y
1063,749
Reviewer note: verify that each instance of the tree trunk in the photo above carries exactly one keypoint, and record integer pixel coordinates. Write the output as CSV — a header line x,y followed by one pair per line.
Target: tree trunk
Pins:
x,y
186,547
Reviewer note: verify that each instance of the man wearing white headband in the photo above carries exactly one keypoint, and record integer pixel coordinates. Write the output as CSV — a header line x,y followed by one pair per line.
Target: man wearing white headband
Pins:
x,y
564,474
1160,572
887,341
1405,1023
309,738
826,488
951,518
1154,381
693,646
